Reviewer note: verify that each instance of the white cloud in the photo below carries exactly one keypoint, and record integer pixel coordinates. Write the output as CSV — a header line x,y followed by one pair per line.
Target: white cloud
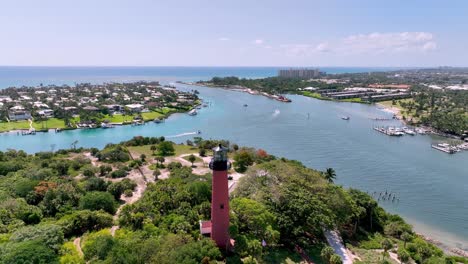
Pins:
x,y
258,41
388,42
224,39
431,45
373,43
323,47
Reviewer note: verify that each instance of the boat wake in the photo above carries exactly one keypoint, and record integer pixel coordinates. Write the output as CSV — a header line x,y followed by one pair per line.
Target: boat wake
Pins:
x,y
183,134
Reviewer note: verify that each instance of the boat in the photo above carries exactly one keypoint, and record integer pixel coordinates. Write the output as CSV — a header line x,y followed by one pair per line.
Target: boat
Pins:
x,y
205,105
345,117
199,132
138,122
193,112
158,120
245,105
409,131
106,125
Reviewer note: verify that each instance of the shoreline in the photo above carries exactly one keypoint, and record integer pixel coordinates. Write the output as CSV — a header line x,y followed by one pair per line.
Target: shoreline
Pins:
x,y
397,112
60,129
243,89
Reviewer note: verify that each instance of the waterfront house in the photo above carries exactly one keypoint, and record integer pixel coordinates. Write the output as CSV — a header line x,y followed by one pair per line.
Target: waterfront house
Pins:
x,y
135,108
17,113
46,113
91,108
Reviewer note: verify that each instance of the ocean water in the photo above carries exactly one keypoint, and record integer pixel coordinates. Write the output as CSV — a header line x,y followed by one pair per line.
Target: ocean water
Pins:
x,y
431,185
32,76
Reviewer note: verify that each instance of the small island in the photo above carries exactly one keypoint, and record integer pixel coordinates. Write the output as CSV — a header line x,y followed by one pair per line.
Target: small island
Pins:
x,y
85,105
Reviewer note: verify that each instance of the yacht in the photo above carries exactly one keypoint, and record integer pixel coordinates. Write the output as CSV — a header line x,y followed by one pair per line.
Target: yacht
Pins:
x,y
345,117
193,112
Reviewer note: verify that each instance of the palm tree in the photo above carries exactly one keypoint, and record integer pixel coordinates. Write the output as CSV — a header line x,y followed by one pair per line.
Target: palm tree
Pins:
x,y
329,175
153,149
406,238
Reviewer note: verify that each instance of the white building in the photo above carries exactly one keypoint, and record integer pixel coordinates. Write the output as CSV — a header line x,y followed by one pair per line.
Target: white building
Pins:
x,y
18,113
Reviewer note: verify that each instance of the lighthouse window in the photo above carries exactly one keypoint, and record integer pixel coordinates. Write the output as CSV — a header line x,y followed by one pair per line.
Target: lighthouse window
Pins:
x,y
221,206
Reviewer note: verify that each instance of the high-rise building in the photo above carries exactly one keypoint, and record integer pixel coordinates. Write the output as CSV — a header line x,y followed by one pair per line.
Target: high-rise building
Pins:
x,y
299,73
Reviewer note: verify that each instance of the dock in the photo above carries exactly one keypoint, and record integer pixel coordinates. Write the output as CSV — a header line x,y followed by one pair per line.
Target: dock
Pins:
x,y
389,131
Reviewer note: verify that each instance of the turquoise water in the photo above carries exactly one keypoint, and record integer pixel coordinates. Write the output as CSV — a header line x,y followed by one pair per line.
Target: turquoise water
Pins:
x,y
432,185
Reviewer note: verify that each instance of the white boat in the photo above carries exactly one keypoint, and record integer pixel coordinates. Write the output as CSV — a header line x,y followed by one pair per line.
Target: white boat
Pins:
x,y
409,131
345,117
193,112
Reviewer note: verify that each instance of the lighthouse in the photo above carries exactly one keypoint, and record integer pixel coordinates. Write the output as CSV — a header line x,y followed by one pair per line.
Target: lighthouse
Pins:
x,y
220,197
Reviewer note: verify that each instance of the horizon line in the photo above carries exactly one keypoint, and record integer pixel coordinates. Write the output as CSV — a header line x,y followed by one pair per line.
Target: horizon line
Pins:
x,y
230,66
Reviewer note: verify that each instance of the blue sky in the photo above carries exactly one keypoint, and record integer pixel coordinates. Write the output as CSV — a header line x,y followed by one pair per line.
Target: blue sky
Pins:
x,y
234,33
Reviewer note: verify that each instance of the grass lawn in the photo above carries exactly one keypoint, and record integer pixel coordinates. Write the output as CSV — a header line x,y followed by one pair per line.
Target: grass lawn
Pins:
x,y
151,115
403,111
314,95
24,124
197,159
179,150
13,125
50,123
370,256
352,100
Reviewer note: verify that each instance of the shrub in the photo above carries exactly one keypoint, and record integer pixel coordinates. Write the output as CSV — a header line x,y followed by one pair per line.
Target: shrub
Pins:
x,y
128,193
50,235
29,252
78,222
120,173
98,201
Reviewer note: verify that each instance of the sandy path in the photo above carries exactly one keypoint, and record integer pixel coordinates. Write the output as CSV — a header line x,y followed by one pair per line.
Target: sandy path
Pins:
x,y
335,241
77,243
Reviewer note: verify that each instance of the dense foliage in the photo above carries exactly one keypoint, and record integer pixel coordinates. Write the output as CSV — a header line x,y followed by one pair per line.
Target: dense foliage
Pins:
x,y
49,202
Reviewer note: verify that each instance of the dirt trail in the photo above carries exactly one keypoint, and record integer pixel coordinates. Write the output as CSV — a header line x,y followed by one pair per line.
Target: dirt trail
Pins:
x,y
77,243
144,175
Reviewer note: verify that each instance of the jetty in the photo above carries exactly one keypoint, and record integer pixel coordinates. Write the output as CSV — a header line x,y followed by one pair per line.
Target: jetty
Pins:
x,y
450,149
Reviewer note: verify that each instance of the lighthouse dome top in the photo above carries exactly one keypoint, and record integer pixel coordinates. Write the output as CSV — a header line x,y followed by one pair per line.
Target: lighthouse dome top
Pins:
x,y
220,153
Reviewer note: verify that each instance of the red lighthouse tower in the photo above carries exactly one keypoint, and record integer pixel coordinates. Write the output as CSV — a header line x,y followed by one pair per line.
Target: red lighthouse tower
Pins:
x,y
220,197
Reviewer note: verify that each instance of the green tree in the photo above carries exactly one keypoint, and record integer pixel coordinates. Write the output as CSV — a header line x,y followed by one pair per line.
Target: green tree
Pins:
x,y
79,222
156,174
50,235
335,259
243,159
98,245
326,253
143,157
104,170
166,148
252,217
29,252
386,246
330,175
406,237
98,201
202,152
403,255
153,148
192,158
